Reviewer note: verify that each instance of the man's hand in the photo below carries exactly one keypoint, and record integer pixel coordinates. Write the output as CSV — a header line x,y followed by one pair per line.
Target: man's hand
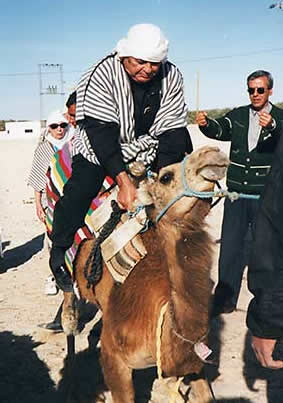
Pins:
x,y
263,349
265,119
201,118
127,191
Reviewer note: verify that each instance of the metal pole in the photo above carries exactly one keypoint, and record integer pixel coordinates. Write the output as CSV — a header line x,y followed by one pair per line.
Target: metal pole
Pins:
x,y
40,94
51,89
197,95
62,84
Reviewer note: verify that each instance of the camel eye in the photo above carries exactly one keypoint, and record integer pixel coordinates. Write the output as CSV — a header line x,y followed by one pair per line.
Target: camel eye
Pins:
x,y
166,178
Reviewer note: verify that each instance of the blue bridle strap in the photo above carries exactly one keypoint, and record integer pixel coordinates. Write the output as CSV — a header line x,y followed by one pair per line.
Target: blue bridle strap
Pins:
x,y
202,195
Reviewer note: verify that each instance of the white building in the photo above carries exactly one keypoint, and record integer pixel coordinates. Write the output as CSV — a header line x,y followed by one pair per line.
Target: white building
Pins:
x,y
22,129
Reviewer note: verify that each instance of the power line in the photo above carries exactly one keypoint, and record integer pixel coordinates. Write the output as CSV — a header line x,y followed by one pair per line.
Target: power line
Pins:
x,y
35,74
231,56
177,61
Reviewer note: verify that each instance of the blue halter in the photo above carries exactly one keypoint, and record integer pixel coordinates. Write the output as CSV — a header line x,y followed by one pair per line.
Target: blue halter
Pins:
x,y
202,195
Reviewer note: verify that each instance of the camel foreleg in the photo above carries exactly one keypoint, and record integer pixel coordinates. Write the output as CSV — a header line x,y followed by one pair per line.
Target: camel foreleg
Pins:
x,y
70,314
118,378
200,392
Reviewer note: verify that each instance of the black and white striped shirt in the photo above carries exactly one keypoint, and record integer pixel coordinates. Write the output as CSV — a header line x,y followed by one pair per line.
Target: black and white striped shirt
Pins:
x,y
104,93
41,160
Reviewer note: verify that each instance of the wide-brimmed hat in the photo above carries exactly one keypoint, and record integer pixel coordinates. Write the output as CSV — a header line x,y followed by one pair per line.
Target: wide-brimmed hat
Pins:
x,y
144,41
56,117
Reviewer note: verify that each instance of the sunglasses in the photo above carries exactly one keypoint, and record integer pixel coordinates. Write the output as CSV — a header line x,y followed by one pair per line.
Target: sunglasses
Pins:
x,y
260,90
73,115
56,125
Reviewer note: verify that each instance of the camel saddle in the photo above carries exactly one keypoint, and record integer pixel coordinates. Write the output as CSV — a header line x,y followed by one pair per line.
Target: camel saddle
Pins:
x,y
124,248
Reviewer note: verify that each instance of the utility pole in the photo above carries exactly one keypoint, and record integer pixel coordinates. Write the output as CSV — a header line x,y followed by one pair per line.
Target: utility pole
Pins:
x,y
47,88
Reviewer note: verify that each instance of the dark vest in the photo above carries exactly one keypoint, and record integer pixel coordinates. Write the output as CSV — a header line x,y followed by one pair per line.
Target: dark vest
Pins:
x,y
248,170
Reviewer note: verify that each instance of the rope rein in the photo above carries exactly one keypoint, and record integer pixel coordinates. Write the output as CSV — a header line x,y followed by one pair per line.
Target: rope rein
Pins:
x,y
94,260
202,195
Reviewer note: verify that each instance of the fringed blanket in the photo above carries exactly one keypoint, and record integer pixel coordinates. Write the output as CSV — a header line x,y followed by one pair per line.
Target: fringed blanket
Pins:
x,y
58,173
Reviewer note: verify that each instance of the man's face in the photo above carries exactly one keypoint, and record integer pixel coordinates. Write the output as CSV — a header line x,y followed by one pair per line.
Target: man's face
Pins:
x,y
140,70
71,115
257,86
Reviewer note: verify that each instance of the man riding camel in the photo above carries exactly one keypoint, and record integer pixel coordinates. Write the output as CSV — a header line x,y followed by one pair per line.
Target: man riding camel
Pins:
x,y
130,106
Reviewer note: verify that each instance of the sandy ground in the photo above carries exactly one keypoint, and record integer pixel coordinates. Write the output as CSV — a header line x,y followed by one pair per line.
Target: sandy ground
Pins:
x,y
32,359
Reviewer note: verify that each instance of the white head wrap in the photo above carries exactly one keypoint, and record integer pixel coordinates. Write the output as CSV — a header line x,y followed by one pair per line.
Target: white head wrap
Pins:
x,y
144,41
56,117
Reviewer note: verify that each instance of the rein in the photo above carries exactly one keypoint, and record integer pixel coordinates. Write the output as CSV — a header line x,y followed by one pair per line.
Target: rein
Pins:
x,y
202,195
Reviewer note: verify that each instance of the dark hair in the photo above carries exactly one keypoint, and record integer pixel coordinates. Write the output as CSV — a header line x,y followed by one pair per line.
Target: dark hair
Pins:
x,y
261,73
72,99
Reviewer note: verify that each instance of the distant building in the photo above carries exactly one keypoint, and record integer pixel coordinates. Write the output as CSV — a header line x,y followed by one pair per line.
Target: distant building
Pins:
x,y
22,129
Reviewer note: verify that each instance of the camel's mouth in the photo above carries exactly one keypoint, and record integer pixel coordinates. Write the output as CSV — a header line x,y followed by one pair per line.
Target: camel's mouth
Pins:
x,y
198,207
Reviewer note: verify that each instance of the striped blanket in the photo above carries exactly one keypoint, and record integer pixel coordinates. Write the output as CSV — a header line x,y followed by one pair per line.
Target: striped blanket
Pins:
x,y
57,175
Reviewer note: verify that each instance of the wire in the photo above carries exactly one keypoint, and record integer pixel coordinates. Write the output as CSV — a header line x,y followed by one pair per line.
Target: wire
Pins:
x,y
36,74
177,61
231,56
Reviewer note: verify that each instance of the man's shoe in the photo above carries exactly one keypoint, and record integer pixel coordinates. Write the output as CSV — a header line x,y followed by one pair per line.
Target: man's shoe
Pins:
x,y
59,270
54,327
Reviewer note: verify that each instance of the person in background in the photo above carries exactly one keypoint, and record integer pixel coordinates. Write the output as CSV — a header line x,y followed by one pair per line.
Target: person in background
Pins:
x,y
56,325
265,274
253,131
52,139
130,106
71,110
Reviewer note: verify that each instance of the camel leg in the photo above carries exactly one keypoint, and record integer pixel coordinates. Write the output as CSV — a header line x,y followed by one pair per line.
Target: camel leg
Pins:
x,y
70,314
118,378
70,346
200,392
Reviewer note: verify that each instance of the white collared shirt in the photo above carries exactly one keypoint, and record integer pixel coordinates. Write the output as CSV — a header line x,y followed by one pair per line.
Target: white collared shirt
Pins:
x,y
254,126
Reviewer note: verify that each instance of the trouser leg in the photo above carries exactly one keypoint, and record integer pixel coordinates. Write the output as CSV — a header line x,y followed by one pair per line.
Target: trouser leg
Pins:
x,y
252,214
232,258
70,210
69,213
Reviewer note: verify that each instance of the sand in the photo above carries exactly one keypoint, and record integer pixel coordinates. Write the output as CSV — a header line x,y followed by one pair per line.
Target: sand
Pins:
x,y
31,359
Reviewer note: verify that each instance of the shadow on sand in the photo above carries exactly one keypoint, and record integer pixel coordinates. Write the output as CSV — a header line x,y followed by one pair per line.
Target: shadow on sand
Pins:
x,y
252,370
212,371
23,376
17,256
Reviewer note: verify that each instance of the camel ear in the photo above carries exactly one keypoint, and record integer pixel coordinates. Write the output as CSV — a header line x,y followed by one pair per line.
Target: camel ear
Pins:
x,y
213,173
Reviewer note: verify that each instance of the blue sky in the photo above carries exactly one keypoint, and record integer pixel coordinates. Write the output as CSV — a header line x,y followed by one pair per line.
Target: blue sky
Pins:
x,y
222,41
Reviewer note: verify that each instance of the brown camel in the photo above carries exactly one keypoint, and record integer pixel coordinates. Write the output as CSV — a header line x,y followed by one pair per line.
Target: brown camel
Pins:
x,y
176,270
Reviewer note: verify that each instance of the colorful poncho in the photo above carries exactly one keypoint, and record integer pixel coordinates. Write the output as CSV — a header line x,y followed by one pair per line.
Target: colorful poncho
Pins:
x,y
58,173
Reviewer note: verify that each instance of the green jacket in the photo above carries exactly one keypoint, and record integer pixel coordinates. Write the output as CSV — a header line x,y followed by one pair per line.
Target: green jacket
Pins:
x,y
248,170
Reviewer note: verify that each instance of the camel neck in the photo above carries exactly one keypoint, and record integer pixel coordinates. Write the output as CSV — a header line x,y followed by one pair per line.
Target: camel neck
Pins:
x,y
189,262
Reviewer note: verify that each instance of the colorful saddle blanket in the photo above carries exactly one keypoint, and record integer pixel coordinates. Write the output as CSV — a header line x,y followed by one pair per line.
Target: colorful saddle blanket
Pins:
x,y
57,175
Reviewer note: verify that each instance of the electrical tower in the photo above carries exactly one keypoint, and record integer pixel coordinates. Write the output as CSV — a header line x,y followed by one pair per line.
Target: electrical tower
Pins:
x,y
50,86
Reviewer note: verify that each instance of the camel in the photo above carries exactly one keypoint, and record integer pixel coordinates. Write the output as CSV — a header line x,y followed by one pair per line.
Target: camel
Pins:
x,y
176,271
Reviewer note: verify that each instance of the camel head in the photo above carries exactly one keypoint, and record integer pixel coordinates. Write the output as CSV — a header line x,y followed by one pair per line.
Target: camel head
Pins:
x,y
200,172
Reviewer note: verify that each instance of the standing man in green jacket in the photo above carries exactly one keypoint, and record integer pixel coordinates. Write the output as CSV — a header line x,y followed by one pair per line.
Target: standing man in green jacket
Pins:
x,y
253,131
